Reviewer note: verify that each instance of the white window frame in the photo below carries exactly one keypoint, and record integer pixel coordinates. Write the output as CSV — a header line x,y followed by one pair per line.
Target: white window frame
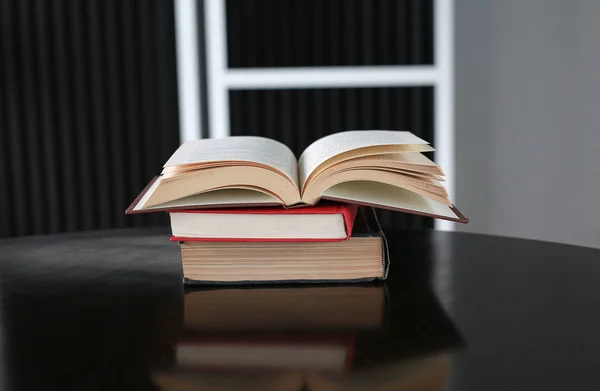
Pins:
x,y
221,79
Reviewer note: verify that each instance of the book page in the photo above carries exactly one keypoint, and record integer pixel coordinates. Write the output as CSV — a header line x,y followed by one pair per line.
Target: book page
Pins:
x,y
250,149
327,147
407,158
388,196
223,197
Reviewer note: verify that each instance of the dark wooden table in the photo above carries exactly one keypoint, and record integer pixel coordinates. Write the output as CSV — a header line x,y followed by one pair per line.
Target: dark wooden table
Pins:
x,y
104,310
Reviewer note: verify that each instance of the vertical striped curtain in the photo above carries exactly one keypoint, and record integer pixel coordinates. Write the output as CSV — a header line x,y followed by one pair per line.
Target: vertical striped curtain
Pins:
x,y
88,111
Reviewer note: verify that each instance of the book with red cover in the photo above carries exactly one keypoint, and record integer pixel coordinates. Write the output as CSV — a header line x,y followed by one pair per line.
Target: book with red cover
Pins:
x,y
324,222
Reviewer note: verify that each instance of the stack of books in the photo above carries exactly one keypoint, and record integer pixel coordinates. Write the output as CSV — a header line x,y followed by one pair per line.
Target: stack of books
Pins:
x,y
245,210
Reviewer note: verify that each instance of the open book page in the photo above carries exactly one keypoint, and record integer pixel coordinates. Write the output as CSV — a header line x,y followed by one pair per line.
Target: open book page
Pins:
x,y
410,159
388,196
223,198
251,149
338,143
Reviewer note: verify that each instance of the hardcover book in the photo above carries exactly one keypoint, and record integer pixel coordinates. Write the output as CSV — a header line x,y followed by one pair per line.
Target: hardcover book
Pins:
x,y
384,169
327,221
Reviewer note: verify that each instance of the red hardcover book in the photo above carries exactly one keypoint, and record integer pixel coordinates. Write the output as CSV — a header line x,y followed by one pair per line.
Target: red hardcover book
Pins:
x,y
325,222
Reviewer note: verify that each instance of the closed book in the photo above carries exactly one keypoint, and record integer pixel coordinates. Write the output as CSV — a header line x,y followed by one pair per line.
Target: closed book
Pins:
x,y
326,221
363,257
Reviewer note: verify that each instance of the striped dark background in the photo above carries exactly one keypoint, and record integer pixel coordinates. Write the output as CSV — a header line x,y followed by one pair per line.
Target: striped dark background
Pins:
x,y
88,111
88,95
293,33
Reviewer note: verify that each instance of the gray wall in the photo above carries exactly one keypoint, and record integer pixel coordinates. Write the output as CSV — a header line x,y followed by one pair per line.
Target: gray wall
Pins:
x,y
528,118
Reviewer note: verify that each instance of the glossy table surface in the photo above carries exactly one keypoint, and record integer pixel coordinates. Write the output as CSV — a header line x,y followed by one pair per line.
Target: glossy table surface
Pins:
x,y
105,310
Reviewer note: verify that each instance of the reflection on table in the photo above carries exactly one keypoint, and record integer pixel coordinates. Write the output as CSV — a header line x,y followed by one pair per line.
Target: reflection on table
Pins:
x,y
339,337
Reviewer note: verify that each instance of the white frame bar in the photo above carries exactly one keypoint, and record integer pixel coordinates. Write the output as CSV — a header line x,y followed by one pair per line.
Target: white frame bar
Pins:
x,y
188,70
440,76
216,67
331,77
444,97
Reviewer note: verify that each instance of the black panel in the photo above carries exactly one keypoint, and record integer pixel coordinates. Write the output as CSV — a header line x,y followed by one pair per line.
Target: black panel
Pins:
x,y
88,111
292,33
201,30
298,117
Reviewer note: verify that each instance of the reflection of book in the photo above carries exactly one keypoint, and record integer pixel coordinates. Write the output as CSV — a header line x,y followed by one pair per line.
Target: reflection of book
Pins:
x,y
351,307
377,168
190,381
408,349
267,353
428,373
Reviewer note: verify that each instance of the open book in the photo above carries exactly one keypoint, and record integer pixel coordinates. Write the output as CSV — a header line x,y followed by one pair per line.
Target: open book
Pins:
x,y
384,169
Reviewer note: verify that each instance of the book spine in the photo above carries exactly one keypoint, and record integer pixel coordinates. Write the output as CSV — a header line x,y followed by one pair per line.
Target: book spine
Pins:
x,y
385,253
349,213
